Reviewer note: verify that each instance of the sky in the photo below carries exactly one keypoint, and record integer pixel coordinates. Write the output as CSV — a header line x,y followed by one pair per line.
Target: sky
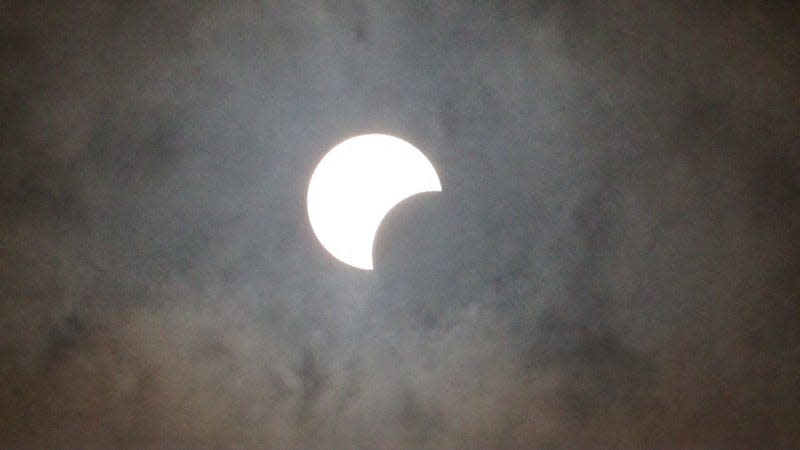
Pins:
x,y
613,260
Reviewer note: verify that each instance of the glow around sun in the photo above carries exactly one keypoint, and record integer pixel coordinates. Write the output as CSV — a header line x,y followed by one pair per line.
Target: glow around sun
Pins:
x,y
356,184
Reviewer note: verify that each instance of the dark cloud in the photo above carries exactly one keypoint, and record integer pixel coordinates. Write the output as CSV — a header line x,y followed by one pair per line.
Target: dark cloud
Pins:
x,y
612,261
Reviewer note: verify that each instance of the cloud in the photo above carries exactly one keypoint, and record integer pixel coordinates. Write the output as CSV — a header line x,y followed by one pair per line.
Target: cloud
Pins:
x,y
611,261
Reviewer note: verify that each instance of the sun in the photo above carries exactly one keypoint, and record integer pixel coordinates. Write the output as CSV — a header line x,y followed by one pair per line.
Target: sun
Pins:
x,y
356,184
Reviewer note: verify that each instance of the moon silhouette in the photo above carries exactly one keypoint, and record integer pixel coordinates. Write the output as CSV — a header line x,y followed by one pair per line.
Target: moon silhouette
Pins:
x,y
356,184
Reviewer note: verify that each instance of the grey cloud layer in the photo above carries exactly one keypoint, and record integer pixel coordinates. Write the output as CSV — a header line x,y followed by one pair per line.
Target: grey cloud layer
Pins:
x,y
612,261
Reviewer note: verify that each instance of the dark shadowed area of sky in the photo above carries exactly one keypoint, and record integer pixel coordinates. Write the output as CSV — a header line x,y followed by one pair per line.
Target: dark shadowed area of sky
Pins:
x,y
613,260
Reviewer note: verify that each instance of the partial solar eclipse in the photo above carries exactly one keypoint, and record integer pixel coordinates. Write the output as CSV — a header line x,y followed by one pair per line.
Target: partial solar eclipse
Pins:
x,y
356,184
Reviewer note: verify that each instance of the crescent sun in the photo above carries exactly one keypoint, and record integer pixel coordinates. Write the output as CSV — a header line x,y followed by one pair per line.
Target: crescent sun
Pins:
x,y
356,184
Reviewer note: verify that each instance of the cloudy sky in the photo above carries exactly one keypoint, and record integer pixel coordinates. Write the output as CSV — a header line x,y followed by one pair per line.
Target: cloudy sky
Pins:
x,y
614,260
